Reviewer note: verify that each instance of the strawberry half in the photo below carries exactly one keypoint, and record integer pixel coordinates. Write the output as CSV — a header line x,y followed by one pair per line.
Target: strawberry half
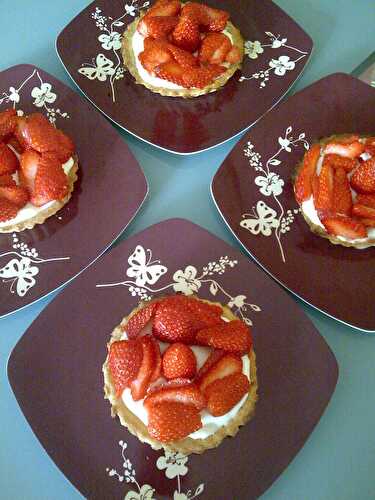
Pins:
x,y
8,160
217,366
366,199
140,320
183,57
302,185
153,57
233,336
157,27
17,195
186,34
8,120
51,182
337,161
203,76
217,18
361,211
214,48
140,384
174,322
165,8
8,210
157,361
176,391
324,199
367,222
29,161
206,314
171,71
179,361
340,225
345,148
171,421
363,178
124,362
223,394
342,196
7,180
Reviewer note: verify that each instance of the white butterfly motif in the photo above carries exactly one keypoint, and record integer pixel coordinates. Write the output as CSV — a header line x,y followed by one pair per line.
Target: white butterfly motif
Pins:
x,y
100,71
20,272
263,221
143,269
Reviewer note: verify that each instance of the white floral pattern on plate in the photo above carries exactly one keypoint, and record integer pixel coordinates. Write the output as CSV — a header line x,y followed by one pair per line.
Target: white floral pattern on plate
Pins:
x,y
109,68
22,269
264,219
175,466
146,272
279,66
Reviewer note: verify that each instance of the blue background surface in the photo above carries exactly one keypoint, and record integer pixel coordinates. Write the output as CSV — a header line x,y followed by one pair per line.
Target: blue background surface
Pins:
x,y
338,460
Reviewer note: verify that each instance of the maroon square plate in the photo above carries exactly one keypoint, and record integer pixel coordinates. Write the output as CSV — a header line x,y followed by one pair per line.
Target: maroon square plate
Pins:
x,y
36,262
254,193
296,369
277,52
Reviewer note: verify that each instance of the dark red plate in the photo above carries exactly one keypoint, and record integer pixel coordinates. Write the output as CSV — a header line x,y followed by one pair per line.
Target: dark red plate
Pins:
x,y
63,400
36,262
278,50
253,192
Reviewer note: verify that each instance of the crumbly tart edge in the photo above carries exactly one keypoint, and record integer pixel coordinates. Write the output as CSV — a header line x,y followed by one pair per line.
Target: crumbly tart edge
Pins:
x,y
130,63
318,230
187,445
48,212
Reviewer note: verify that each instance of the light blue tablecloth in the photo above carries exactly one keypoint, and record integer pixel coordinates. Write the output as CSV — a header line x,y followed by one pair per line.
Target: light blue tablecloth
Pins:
x,y
338,460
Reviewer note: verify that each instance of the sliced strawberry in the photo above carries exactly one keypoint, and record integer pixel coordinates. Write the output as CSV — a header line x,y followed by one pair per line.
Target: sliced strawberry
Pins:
x,y
8,210
179,391
171,71
169,422
324,200
51,182
217,366
196,12
138,321
179,361
366,199
340,225
367,222
234,56
370,146
8,160
157,27
65,146
342,196
223,394
362,211
183,57
233,336
217,19
8,120
203,76
337,161
17,195
186,34
214,48
157,361
29,161
165,8
15,144
363,178
174,322
124,362
151,58
206,314
302,185
7,180
345,148
140,384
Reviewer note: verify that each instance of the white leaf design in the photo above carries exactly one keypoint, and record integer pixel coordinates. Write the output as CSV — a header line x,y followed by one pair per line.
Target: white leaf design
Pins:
x,y
247,321
288,130
274,162
118,23
199,490
213,288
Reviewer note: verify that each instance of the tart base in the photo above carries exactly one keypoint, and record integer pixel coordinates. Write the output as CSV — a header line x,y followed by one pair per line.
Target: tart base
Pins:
x,y
130,63
52,209
187,445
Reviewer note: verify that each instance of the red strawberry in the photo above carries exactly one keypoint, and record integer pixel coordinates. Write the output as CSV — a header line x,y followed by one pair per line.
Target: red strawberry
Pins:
x,y
324,199
18,195
370,146
124,362
363,178
171,71
342,196
345,148
177,391
169,422
165,8
366,199
340,225
15,144
203,76
174,322
8,120
183,57
157,361
29,165
179,361
151,58
8,210
302,185
223,394
138,321
214,48
337,161
186,34
196,12
234,56
205,313
65,148
157,27
367,222
51,182
7,180
217,366
8,160
217,19
140,385
233,336
362,211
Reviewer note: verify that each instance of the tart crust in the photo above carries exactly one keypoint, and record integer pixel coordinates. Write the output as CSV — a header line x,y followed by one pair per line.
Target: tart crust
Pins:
x,y
186,445
318,230
130,63
52,209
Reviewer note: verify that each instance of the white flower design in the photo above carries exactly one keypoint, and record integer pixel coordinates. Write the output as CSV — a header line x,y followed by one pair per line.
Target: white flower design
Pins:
x,y
130,10
13,95
238,301
145,493
276,44
173,463
43,95
180,496
186,281
111,41
282,65
285,144
271,184
252,49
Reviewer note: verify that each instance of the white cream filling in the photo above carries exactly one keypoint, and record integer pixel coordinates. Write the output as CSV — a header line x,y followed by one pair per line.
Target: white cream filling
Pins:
x,y
29,210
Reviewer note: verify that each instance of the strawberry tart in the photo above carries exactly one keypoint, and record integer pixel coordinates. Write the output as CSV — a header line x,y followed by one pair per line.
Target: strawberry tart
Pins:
x,y
335,188
182,49
38,169
180,373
